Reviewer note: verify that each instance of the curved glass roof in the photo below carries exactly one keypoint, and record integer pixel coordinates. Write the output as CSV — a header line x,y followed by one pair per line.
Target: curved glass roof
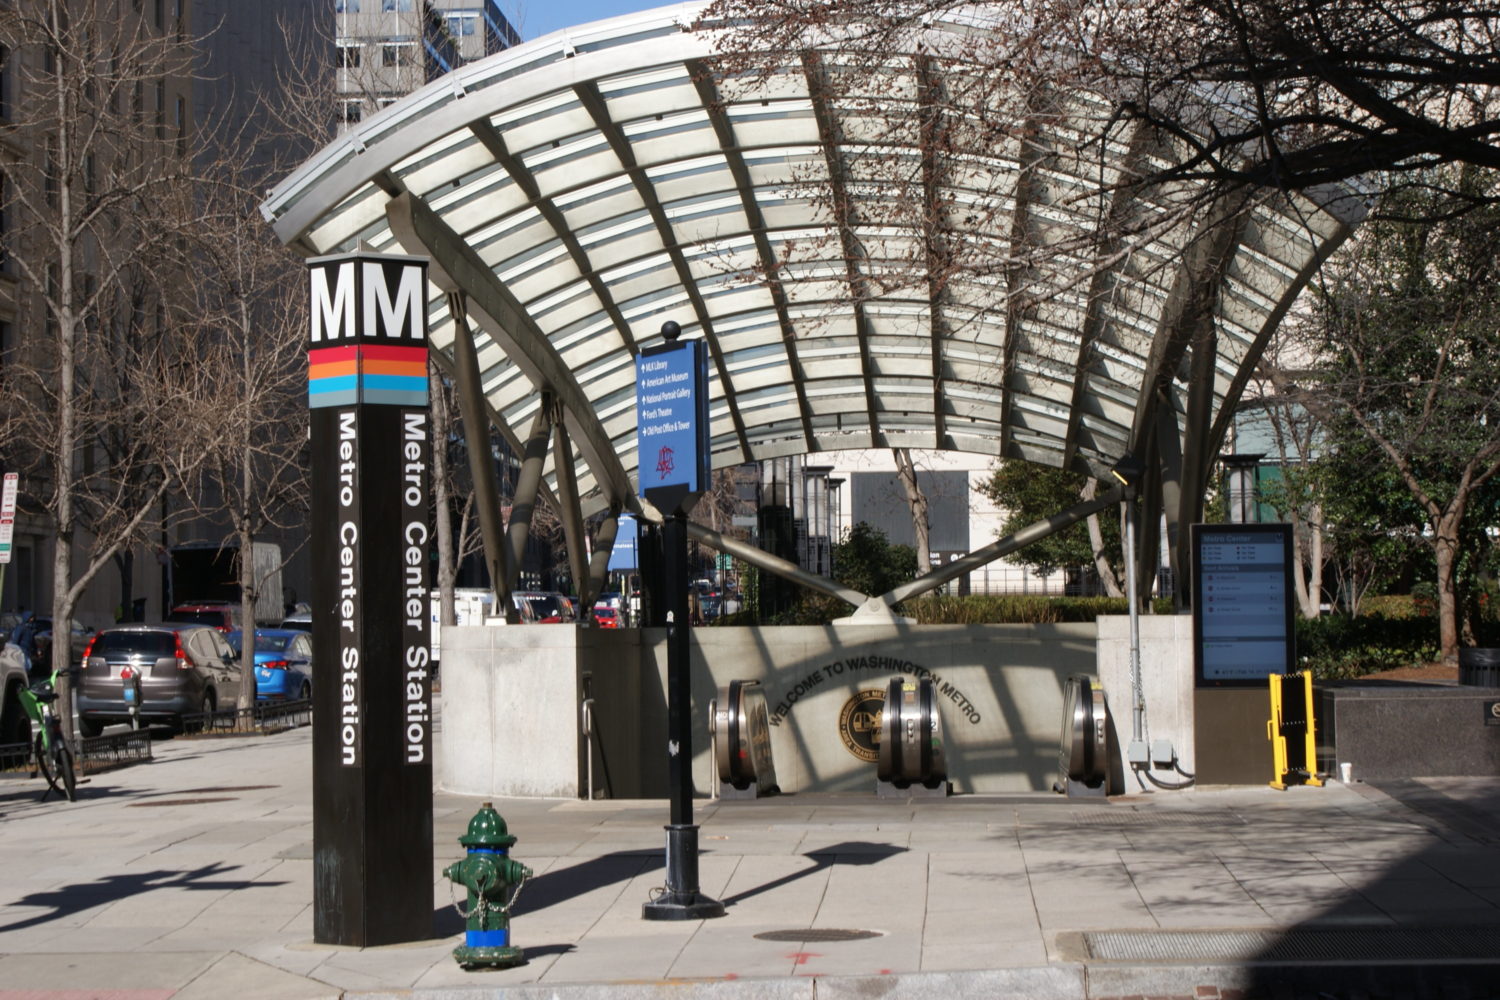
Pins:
x,y
585,187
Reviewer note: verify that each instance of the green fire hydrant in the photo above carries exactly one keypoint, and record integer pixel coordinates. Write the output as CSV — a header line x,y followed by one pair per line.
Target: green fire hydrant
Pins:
x,y
488,874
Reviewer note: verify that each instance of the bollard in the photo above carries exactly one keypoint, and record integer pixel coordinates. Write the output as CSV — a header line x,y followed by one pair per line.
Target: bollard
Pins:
x,y
488,874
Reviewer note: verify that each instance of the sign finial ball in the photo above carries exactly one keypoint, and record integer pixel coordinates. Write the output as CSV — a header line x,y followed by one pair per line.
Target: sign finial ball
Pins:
x,y
670,331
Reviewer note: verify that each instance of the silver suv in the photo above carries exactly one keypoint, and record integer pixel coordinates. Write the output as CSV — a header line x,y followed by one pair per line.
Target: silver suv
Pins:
x,y
184,669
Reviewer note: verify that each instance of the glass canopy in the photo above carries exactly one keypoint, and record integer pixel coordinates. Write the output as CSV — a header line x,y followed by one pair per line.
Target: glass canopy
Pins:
x,y
583,188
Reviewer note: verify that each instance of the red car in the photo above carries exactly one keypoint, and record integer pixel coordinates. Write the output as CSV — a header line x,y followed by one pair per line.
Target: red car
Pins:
x,y
606,616
220,614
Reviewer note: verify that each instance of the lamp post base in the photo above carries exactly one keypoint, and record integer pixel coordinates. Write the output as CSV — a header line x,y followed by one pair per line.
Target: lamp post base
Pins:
x,y
682,900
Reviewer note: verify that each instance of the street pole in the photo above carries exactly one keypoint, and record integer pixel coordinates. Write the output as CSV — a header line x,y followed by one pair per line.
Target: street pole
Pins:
x,y
675,432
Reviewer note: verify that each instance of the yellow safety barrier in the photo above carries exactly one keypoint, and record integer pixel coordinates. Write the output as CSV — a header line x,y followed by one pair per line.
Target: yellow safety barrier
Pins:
x,y
1292,730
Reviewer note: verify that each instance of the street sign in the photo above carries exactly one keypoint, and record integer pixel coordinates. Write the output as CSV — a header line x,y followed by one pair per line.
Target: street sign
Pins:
x,y
626,553
8,514
671,409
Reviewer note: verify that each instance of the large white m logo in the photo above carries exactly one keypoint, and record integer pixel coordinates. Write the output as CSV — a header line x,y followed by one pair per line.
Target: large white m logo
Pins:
x,y
332,312
382,314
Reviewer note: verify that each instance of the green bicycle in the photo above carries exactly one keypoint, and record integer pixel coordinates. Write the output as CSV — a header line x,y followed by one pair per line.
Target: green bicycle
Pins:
x,y
53,757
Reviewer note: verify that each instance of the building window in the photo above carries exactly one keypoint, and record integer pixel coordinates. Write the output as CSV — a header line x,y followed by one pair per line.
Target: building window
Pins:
x,y
346,6
463,24
161,109
398,54
349,55
4,83
386,102
400,6
352,111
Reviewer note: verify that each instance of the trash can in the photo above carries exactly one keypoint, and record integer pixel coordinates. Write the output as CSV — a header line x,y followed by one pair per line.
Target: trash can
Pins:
x,y
1479,667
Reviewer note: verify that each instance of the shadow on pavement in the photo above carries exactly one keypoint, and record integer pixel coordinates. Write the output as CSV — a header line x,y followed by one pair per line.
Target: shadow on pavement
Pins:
x,y
1444,946
72,899
847,853
562,884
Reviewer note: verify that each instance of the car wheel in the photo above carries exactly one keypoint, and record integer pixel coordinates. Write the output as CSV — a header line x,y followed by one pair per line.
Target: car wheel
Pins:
x,y
89,728
306,693
210,703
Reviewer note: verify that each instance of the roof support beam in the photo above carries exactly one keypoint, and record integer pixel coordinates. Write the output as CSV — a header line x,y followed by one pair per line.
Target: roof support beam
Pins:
x,y
567,495
471,405
604,545
762,559
832,145
495,143
708,95
1020,273
881,606
938,250
523,504
588,95
456,266
1109,275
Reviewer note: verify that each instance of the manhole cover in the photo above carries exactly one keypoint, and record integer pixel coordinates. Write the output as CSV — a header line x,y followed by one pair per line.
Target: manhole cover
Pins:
x,y
821,934
178,802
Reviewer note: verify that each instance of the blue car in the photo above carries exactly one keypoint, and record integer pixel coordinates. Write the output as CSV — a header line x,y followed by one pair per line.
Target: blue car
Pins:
x,y
283,663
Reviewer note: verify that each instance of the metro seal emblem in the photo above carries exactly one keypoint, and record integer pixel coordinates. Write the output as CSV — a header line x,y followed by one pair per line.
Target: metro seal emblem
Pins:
x,y
859,724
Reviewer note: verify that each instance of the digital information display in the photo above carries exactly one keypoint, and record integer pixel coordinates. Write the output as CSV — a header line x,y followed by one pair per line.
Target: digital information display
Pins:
x,y
1242,603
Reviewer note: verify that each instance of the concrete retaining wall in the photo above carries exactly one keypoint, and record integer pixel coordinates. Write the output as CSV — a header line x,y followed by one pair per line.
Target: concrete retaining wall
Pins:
x,y
511,699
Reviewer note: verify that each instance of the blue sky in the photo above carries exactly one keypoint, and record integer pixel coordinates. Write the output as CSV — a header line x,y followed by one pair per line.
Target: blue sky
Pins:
x,y
535,18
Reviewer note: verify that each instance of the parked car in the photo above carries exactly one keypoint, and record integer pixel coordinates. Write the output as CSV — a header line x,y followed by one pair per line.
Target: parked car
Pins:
x,y
14,726
300,621
283,663
78,640
549,607
220,614
606,616
184,668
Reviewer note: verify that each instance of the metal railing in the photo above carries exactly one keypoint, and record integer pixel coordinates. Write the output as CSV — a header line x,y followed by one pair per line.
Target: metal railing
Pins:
x,y
263,717
95,753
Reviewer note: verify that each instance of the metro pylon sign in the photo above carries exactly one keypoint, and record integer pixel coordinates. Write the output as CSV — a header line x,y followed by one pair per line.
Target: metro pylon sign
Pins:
x,y
371,624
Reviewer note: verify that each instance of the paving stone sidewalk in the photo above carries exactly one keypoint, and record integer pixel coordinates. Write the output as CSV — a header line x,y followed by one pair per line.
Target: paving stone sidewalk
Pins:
x,y
191,877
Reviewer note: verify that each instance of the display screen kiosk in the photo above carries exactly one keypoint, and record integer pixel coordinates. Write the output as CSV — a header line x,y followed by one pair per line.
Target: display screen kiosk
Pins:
x,y
1243,631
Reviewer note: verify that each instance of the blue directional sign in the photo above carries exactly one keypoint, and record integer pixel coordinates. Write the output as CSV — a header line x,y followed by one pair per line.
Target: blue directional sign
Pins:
x,y
671,409
626,553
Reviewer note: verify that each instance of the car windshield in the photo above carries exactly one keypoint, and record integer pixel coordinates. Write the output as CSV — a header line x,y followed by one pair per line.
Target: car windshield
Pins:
x,y
544,606
156,644
198,617
270,643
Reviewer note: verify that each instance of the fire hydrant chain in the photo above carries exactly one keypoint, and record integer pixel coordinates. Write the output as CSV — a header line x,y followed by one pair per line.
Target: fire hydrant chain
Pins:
x,y
483,905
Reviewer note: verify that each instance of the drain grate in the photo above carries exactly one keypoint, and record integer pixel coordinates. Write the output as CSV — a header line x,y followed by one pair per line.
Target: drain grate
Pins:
x,y
819,934
1300,945
179,802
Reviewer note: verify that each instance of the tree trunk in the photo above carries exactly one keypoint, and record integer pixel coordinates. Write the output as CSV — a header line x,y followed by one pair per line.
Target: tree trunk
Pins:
x,y
917,501
1445,549
1107,575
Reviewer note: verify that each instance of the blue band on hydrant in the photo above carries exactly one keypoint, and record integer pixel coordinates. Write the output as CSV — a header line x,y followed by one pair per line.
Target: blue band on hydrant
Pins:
x,y
487,939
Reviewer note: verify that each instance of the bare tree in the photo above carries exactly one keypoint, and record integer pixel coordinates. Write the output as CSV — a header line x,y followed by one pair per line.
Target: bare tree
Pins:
x,y
103,155
1405,345
1279,94
916,500
1296,438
